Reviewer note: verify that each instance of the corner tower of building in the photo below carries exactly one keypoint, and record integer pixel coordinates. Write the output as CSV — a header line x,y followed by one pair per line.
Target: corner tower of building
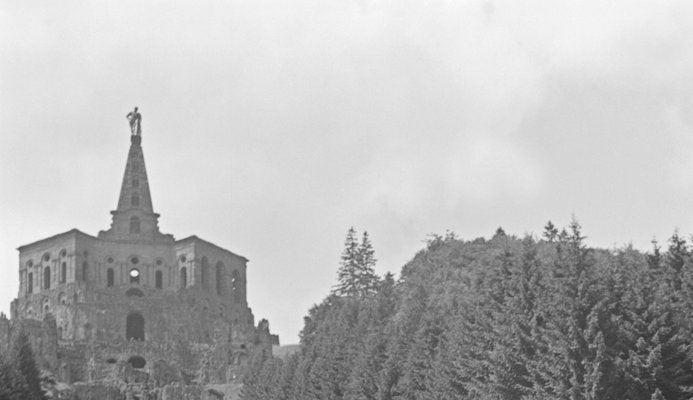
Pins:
x,y
134,220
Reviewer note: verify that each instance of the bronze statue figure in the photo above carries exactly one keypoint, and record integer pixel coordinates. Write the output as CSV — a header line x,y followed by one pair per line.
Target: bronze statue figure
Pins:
x,y
135,122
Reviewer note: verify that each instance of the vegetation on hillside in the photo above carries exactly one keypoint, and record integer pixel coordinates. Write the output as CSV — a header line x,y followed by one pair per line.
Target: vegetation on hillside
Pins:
x,y
506,318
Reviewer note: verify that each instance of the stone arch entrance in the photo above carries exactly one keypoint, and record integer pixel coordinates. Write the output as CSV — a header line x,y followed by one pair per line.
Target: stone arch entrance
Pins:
x,y
137,362
134,326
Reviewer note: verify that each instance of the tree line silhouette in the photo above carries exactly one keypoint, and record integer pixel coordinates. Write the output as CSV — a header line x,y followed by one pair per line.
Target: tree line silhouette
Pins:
x,y
505,318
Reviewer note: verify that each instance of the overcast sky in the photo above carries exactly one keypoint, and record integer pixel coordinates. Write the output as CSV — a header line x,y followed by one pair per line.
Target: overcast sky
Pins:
x,y
271,127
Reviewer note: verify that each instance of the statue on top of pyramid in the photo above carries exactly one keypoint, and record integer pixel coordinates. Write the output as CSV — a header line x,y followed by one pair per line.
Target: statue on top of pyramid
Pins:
x,y
135,119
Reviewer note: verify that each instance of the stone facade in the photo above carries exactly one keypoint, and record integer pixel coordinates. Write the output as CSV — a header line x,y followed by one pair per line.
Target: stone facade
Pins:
x,y
132,311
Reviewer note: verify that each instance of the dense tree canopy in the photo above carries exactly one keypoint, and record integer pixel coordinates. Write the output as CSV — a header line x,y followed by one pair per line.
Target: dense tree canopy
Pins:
x,y
505,318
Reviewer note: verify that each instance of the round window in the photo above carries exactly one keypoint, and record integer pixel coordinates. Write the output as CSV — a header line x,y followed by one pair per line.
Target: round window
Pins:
x,y
135,260
182,258
159,262
134,273
46,257
109,260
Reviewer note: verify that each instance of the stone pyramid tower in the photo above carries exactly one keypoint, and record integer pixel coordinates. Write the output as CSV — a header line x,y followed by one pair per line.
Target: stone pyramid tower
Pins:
x,y
135,220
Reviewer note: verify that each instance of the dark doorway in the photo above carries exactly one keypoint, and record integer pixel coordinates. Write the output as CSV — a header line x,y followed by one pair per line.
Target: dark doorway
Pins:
x,y
134,292
134,327
137,362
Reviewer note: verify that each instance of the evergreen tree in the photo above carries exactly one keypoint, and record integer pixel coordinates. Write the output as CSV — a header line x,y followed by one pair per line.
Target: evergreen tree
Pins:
x,y
13,385
25,363
503,319
367,279
373,327
677,255
654,260
550,232
348,272
355,276
258,382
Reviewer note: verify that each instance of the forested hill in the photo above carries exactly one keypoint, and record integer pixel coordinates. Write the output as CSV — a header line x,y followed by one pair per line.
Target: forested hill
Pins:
x,y
505,318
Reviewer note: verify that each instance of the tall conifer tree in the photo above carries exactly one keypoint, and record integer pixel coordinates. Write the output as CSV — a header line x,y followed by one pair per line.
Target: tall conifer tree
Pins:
x,y
355,276
26,364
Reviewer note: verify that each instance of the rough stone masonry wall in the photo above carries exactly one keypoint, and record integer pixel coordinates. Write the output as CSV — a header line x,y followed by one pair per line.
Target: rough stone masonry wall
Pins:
x,y
196,334
214,369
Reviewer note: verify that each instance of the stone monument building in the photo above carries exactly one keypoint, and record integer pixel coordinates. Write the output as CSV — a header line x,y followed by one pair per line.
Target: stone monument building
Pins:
x,y
133,310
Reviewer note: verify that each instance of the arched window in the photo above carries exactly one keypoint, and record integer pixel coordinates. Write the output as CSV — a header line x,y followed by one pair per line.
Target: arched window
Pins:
x,y
220,281
134,225
47,278
204,273
110,278
30,283
63,272
85,271
159,279
183,278
134,327
236,286
135,200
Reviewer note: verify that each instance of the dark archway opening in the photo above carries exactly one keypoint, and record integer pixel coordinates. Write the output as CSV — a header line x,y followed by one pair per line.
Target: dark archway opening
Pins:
x,y
137,362
134,292
134,327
